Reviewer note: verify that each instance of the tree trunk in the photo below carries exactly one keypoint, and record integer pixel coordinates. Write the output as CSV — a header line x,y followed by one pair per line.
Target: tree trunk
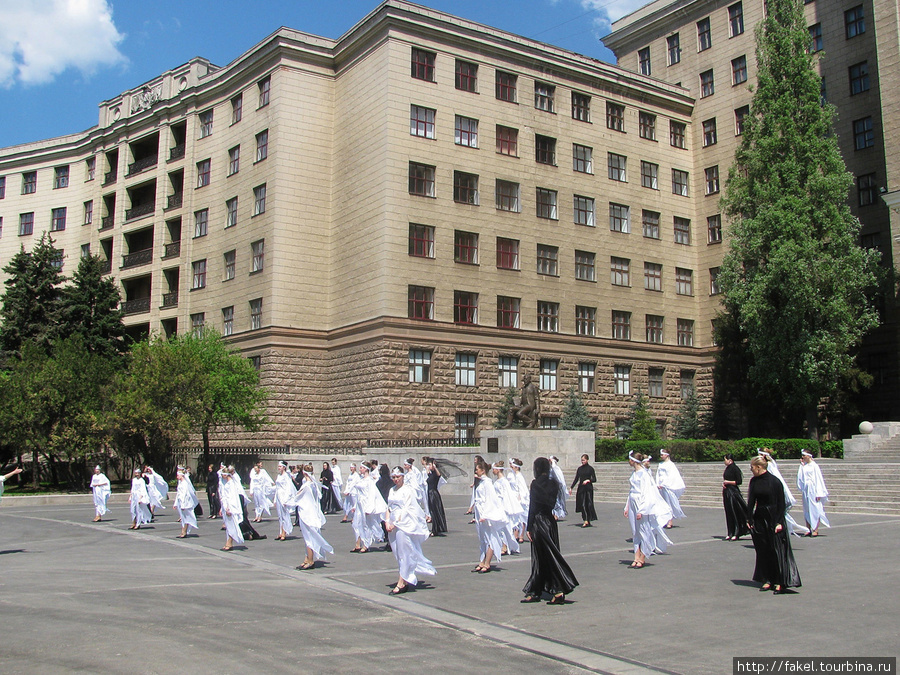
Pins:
x,y
205,462
34,469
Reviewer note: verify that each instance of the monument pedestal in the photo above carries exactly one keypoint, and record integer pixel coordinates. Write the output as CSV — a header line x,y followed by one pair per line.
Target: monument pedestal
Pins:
x,y
529,444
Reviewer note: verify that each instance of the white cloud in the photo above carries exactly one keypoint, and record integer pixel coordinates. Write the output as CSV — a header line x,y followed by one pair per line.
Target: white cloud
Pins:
x,y
39,39
612,10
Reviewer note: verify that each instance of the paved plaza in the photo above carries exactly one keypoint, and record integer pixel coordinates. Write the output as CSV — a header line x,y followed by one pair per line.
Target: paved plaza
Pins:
x,y
96,597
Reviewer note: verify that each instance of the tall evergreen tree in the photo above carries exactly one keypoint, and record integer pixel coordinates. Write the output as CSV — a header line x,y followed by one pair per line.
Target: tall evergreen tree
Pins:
x,y
794,278
642,426
575,415
90,308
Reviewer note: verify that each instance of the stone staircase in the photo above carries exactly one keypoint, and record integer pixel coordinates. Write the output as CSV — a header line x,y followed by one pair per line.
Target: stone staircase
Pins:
x,y
878,442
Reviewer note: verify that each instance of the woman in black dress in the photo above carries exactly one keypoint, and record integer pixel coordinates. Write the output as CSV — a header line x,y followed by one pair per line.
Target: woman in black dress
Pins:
x,y
775,566
549,571
328,502
735,506
212,491
435,503
584,497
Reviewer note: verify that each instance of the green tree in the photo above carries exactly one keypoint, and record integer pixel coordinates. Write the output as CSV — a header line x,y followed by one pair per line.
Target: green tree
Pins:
x,y
691,420
575,415
641,422
794,278
90,308
508,402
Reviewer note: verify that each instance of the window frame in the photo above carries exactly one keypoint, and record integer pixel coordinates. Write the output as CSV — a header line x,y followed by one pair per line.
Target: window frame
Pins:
x,y
421,239
583,212
422,64
466,76
465,308
421,121
420,302
653,276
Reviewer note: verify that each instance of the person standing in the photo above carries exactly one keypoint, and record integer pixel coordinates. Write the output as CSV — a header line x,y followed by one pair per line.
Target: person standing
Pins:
x,y
407,531
6,477
559,510
512,507
671,486
585,477
185,503
520,487
813,493
369,513
434,480
232,513
328,502
262,488
139,501
101,488
310,518
775,566
637,510
284,495
733,501
490,519
337,482
349,495
212,491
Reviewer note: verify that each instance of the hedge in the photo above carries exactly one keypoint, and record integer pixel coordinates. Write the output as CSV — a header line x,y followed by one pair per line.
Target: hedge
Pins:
x,y
713,450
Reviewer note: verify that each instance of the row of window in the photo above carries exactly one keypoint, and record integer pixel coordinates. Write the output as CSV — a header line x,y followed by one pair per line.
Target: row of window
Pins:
x,y
201,216
204,166
30,180
854,25
206,117
257,264
198,320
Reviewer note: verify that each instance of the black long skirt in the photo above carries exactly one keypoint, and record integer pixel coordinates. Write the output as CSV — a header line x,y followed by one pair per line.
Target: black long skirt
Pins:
x,y
735,511
550,573
438,517
775,562
329,502
584,502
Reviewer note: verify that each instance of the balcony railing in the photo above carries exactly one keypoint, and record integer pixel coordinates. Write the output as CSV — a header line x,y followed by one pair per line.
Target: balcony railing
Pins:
x,y
137,258
110,178
172,249
177,152
174,201
106,223
141,164
106,267
170,299
139,210
138,306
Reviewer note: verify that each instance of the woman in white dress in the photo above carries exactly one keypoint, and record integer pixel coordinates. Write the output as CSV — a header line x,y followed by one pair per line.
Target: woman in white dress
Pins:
x,y
520,487
101,489
139,501
511,506
285,491
262,488
311,519
559,511
232,516
490,519
813,493
349,497
369,511
407,530
646,513
671,485
155,484
185,503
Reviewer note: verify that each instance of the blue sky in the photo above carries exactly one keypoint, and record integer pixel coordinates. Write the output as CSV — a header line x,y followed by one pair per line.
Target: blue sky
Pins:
x,y
60,58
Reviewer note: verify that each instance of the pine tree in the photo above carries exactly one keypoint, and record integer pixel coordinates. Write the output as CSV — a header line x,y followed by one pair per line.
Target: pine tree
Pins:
x,y
90,308
795,278
575,414
509,401
641,422
690,421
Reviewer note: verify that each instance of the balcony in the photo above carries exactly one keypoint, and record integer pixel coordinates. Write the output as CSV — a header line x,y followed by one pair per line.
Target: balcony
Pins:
x,y
141,165
106,267
172,250
174,201
139,210
170,299
137,258
177,152
139,306
106,223
110,178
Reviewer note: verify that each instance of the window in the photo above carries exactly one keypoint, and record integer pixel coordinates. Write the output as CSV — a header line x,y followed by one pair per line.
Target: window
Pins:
x,y
652,276
237,112
421,302
2,187
655,382
859,78
682,231
615,116
710,137
620,271
647,126
582,158
546,203
505,85
712,180
259,200
203,171
265,88
673,44
231,212
585,320
29,182
854,22
735,19
85,248
26,223
465,308
740,114
544,149
714,229
507,195
91,168
88,213
508,370
201,223
256,362
465,247
466,76
815,38
256,314
684,281
421,179
649,175
422,65
616,164
548,260
739,70
586,377
466,131
867,188
548,317
650,224
419,365
714,281
622,380
465,188
644,61
198,268
507,141
197,322
465,369
679,182
229,264
623,429
227,320
464,428
258,256
707,83
677,133
543,96
618,218
584,266
621,325
421,241
421,121
507,253
262,145
58,219
508,312
654,325
704,35
61,177
581,107
687,383
206,123
685,333
863,135
234,160
548,370
583,208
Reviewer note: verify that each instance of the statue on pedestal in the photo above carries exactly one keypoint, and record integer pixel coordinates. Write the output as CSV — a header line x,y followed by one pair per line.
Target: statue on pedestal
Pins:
x,y
528,410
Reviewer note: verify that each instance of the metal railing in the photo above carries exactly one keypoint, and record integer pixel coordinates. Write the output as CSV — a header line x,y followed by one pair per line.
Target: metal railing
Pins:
x,y
170,299
141,164
106,223
174,201
140,210
110,177
422,442
172,249
177,152
137,258
138,306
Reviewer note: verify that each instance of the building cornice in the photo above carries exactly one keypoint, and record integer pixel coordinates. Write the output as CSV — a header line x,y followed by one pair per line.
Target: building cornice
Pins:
x,y
648,19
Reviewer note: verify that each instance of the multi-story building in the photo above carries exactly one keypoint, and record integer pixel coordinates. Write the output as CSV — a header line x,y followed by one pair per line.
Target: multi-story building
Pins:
x,y
708,47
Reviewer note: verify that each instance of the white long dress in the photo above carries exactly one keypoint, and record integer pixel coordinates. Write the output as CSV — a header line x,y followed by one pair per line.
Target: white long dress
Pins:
x,y
285,491
410,530
261,489
513,508
349,495
139,502
490,518
660,513
336,483
671,486
232,517
100,488
417,482
310,516
369,512
185,503
813,493
524,493
560,509
643,498
793,526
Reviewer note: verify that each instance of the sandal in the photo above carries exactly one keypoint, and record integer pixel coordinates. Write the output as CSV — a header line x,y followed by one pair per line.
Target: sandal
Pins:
x,y
530,598
226,548
306,566
397,590
559,599
638,565
484,570
766,587
478,569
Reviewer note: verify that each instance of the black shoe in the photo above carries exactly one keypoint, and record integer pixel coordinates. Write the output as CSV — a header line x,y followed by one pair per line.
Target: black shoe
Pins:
x,y
262,536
